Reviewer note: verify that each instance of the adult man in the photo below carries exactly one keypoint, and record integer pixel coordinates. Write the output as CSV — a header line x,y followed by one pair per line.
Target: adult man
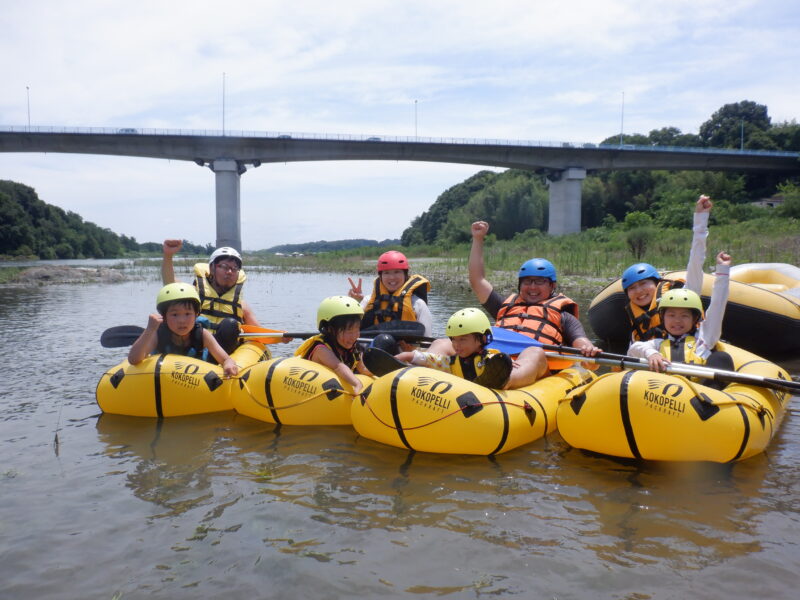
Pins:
x,y
219,284
536,310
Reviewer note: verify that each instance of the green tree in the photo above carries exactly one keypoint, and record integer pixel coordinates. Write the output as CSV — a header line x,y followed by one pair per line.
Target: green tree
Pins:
x,y
724,128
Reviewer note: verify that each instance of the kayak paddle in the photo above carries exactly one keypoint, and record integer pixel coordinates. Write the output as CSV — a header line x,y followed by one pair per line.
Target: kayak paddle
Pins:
x,y
688,370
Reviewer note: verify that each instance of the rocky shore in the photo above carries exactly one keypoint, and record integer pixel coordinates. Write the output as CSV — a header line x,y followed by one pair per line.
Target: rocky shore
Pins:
x,y
47,274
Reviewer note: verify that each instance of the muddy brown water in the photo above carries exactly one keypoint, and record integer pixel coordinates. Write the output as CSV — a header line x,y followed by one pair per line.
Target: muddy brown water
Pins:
x,y
222,505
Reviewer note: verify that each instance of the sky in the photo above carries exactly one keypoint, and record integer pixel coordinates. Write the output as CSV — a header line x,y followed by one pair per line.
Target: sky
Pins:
x,y
564,70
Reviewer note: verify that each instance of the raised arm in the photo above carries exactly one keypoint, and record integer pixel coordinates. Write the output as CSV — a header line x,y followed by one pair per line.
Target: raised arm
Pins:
x,y
711,327
697,253
170,248
146,342
477,272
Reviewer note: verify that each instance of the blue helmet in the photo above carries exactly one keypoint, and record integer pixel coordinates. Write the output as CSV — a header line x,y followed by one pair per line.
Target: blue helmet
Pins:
x,y
638,272
538,267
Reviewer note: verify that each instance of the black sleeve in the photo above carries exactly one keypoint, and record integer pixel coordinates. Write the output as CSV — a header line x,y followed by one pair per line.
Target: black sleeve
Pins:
x,y
571,328
493,303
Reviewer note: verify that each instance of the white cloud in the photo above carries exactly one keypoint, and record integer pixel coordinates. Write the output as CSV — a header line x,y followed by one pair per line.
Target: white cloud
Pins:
x,y
550,70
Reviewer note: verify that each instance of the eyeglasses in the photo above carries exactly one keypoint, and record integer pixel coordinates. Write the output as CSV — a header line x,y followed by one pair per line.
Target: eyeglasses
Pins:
x,y
227,268
535,281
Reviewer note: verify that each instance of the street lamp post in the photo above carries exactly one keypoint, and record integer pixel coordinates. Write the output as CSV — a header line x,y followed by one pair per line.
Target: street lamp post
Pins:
x,y
622,118
28,92
741,139
415,119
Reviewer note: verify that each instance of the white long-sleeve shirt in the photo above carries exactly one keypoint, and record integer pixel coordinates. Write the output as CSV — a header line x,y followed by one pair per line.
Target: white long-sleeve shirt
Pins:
x,y
710,329
697,253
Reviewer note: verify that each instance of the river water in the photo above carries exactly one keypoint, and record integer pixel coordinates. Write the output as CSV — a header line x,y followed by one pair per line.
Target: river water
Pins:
x,y
222,505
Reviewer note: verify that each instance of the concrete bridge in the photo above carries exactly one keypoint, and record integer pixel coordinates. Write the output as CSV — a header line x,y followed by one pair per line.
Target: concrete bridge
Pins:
x,y
229,155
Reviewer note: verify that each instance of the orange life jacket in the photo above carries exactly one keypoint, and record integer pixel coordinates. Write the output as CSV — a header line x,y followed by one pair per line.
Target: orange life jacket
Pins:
x,y
646,323
383,306
540,321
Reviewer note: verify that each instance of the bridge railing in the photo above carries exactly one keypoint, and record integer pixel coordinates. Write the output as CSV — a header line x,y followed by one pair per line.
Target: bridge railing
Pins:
x,y
293,135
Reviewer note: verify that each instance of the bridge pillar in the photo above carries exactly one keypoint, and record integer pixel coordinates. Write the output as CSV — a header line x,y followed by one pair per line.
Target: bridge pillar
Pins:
x,y
565,201
229,218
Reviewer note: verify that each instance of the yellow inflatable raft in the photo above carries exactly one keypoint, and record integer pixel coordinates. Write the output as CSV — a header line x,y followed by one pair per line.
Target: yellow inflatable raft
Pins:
x,y
294,391
432,411
762,314
655,416
170,385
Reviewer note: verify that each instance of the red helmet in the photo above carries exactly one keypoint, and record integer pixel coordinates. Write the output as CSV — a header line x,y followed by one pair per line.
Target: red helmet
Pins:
x,y
391,260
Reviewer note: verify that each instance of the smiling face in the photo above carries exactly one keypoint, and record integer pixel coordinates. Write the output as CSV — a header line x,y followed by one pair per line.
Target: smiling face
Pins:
x,y
180,318
393,279
535,289
348,335
642,292
678,321
224,274
467,344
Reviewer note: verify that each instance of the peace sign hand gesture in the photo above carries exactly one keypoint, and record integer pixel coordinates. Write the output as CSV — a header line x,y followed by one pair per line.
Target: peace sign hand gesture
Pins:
x,y
355,290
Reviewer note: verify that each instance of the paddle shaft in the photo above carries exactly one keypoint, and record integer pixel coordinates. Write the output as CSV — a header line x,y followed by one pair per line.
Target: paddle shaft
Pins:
x,y
630,362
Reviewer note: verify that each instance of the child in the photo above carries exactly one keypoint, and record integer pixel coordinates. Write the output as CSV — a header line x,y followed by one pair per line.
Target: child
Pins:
x,y
339,323
536,310
175,330
644,286
469,331
689,337
395,295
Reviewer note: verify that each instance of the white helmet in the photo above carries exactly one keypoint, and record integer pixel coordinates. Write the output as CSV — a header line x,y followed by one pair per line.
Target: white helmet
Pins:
x,y
224,252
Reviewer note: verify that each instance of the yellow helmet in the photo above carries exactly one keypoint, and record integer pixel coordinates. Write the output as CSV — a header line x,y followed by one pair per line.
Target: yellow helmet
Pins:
x,y
682,298
337,306
468,320
176,291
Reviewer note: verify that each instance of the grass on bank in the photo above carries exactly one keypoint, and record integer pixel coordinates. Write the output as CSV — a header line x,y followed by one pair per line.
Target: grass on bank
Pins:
x,y
592,257
595,255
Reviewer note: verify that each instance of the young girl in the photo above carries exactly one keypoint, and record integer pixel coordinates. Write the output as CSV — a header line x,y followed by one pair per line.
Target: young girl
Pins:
x,y
469,331
690,338
339,323
395,295
175,330
644,286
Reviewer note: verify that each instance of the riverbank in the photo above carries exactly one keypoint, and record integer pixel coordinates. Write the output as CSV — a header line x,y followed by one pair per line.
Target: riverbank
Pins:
x,y
49,274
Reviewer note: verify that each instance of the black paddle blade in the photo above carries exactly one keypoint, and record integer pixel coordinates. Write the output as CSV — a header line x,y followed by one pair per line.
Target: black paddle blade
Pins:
x,y
405,330
120,336
380,362
496,371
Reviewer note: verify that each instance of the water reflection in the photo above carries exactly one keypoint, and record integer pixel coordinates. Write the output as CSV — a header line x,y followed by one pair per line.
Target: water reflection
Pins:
x,y
173,459
211,504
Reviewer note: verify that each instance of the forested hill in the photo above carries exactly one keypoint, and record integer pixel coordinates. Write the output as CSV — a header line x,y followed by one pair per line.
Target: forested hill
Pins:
x,y
30,227
325,246
516,201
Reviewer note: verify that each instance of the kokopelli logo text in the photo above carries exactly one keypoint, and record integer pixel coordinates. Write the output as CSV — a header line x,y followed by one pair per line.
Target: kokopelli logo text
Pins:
x,y
663,397
185,374
429,392
303,374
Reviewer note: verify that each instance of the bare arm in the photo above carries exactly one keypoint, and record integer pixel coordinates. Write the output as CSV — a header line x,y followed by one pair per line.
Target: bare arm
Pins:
x,y
170,248
324,356
249,316
229,366
146,342
477,272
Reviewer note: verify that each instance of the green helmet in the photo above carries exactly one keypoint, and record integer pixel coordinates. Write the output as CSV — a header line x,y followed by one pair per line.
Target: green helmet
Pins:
x,y
337,306
176,291
682,298
468,320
